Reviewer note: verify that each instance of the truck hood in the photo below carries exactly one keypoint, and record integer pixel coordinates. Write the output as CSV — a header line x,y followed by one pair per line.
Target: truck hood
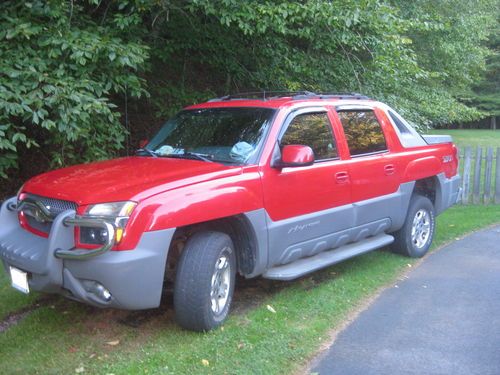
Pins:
x,y
130,178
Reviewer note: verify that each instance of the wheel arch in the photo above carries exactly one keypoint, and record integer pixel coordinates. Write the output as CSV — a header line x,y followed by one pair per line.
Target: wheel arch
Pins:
x,y
428,187
441,191
247,238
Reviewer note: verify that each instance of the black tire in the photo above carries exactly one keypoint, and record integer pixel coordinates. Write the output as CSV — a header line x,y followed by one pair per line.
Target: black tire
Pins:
x,y
200,286
421,217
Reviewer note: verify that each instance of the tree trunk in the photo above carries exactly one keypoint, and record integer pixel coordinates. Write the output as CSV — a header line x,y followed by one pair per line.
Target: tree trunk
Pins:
x,y
493,123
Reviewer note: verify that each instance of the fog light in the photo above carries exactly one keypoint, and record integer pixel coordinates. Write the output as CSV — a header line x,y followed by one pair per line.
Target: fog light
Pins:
x,y
93,236
103,293
97,289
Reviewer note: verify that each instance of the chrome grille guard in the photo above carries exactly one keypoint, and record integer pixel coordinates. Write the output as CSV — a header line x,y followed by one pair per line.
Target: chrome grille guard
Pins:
x,y
40,212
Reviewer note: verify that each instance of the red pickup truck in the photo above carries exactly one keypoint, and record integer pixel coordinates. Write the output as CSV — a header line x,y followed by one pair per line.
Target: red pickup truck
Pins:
x,y
271,186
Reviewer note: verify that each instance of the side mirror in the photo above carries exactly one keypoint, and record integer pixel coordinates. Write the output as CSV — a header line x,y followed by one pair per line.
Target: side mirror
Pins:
x,y
143,143
295,156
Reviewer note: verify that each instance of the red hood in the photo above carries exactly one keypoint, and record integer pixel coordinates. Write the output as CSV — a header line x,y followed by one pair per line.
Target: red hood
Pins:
x,y
132,178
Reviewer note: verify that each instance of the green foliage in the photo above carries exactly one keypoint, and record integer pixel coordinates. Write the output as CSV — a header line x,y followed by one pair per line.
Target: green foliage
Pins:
x,y
65,66
447,37
58,72
487,92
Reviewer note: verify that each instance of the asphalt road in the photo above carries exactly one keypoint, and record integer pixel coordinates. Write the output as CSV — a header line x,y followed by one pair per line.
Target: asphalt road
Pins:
x,y
443,319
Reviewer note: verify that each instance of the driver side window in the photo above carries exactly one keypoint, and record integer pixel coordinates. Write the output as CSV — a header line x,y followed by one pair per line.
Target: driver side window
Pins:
x,y
313,130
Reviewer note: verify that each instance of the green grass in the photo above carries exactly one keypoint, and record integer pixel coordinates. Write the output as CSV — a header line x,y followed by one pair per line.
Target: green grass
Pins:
x,y
11,300
471,137
65,336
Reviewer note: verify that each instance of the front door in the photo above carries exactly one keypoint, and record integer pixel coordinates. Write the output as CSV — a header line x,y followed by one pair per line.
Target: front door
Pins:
x,y
304,204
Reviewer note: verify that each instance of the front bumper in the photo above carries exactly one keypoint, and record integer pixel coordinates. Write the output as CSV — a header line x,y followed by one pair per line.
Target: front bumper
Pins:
x,y
134,278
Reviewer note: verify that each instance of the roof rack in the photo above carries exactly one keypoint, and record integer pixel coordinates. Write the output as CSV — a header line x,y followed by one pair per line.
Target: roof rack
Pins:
x,y
296,95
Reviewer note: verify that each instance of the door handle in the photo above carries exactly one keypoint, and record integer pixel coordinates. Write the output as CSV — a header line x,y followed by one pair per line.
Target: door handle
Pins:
x,y
389,169
342,177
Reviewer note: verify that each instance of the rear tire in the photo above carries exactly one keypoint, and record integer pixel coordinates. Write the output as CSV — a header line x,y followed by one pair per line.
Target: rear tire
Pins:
x,y
415,237
204,281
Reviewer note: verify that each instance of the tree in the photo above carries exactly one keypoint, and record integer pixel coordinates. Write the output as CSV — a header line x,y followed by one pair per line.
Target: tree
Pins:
x,y
486,95
447,37
66,66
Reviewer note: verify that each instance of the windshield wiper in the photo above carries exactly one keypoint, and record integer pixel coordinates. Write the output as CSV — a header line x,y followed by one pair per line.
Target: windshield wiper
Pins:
x,y
196,155
152,153
191,155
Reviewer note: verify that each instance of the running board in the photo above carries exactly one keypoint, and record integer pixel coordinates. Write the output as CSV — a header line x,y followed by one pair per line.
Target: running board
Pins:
x,y
324,259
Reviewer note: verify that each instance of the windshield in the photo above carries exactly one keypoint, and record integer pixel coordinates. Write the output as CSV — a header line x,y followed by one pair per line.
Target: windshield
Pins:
x,y
226,135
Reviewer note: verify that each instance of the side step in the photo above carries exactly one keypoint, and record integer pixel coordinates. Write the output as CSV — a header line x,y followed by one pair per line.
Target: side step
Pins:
x,y
324,259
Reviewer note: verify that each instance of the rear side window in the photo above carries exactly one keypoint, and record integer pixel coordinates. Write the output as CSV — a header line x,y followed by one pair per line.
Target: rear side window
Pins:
x,y
313,130
363,132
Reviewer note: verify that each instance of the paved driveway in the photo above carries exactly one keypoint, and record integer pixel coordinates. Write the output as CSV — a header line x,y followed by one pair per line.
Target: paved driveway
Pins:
x,y
443,319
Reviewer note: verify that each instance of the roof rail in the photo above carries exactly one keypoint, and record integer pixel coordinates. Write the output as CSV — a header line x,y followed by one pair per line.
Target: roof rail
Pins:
x,y
296,95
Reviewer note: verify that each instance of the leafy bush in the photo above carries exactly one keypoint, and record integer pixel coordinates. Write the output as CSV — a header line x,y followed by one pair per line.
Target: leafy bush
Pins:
x,y
66,66
58,72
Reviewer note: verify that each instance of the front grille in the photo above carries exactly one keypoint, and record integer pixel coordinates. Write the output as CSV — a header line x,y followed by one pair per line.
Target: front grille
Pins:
x,y
55,206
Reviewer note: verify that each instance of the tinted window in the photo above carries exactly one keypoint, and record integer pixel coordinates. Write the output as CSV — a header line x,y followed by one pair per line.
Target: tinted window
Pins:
x,y
227,135
402,128
313,130
363,132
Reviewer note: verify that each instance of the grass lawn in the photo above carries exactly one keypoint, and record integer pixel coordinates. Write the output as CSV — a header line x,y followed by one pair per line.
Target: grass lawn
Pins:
x,y
63,337
10,301
471,137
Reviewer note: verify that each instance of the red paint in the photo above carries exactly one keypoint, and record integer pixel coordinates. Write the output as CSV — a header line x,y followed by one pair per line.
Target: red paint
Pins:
x,y
297,155
176,192
132,178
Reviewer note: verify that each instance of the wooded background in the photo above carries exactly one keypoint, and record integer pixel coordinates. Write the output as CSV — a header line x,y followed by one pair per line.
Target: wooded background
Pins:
x,y
84,80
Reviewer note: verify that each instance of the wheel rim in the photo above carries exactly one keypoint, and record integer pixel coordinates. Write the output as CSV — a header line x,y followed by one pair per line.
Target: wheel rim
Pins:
x,y
221,282
421,228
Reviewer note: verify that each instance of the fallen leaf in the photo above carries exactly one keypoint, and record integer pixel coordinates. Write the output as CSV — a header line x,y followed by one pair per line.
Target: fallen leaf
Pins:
x,y
79,370
241,345
92,355
270,308
113,343
72,349
204,362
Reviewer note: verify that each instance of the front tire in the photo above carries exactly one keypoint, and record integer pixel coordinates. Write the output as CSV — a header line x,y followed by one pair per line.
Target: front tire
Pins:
x,y
204,281
415,237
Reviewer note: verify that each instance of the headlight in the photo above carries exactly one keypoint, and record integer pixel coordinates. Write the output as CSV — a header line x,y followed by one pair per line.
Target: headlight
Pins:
x,y
117,213
115,209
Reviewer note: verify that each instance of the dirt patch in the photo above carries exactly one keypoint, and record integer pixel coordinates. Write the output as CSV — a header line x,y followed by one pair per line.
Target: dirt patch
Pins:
x,y
15,317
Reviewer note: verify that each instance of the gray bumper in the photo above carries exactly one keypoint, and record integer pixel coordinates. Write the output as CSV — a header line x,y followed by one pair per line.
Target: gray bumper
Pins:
x,y
134,278
447,192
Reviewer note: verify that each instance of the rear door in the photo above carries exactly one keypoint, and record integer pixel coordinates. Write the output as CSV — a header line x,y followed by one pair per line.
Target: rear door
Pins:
x,y
374,174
